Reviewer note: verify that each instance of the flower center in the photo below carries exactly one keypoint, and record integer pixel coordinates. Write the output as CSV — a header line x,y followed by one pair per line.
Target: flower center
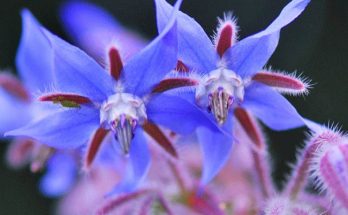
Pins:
x,y
121,113
219,91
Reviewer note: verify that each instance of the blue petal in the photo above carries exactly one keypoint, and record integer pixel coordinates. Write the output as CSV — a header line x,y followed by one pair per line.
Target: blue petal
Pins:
x,y
195,48
76,72
62,129
110,154
271,108
34,57
13,112
177,114
149,66
94,29
248,56
216,148
137,168
314,126
60,175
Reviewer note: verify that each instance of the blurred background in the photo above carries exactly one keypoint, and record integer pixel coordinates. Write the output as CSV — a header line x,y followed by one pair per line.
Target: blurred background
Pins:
x,y
315,45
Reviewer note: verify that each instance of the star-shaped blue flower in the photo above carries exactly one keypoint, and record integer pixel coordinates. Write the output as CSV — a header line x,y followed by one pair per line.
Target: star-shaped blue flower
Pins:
x,y
232,83
125,102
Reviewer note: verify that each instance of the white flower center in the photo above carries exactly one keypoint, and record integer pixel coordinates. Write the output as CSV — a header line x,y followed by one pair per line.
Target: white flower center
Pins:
x,y
219,91
121,113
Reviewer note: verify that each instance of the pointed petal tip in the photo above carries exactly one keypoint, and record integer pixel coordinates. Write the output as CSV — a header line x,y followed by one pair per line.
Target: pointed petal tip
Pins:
x,y
192,36
161,2
150,61
25,12
249,55
28,17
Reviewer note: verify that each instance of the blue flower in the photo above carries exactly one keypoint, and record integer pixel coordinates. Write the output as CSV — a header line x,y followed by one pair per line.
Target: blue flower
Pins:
x,y
19,107
232,82
125,103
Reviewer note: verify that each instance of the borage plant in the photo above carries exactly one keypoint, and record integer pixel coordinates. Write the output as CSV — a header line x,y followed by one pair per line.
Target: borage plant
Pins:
x,y
126,100
231,82
101,107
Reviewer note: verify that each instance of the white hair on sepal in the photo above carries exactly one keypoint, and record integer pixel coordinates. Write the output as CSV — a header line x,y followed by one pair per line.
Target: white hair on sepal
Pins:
x,y
222,62
307,82
336,127
299,77
53,89
331,136
177,74
182,91
200,77
190,75
50,88
119,86
123,50
103,60
193,73
228,18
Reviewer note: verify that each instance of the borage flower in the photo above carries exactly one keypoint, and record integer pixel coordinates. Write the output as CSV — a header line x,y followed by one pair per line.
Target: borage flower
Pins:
x,y
19,106
125,102
233,82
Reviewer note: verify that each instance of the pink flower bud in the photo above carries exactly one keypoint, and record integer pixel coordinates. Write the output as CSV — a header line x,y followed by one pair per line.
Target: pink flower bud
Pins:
x,y
330,168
